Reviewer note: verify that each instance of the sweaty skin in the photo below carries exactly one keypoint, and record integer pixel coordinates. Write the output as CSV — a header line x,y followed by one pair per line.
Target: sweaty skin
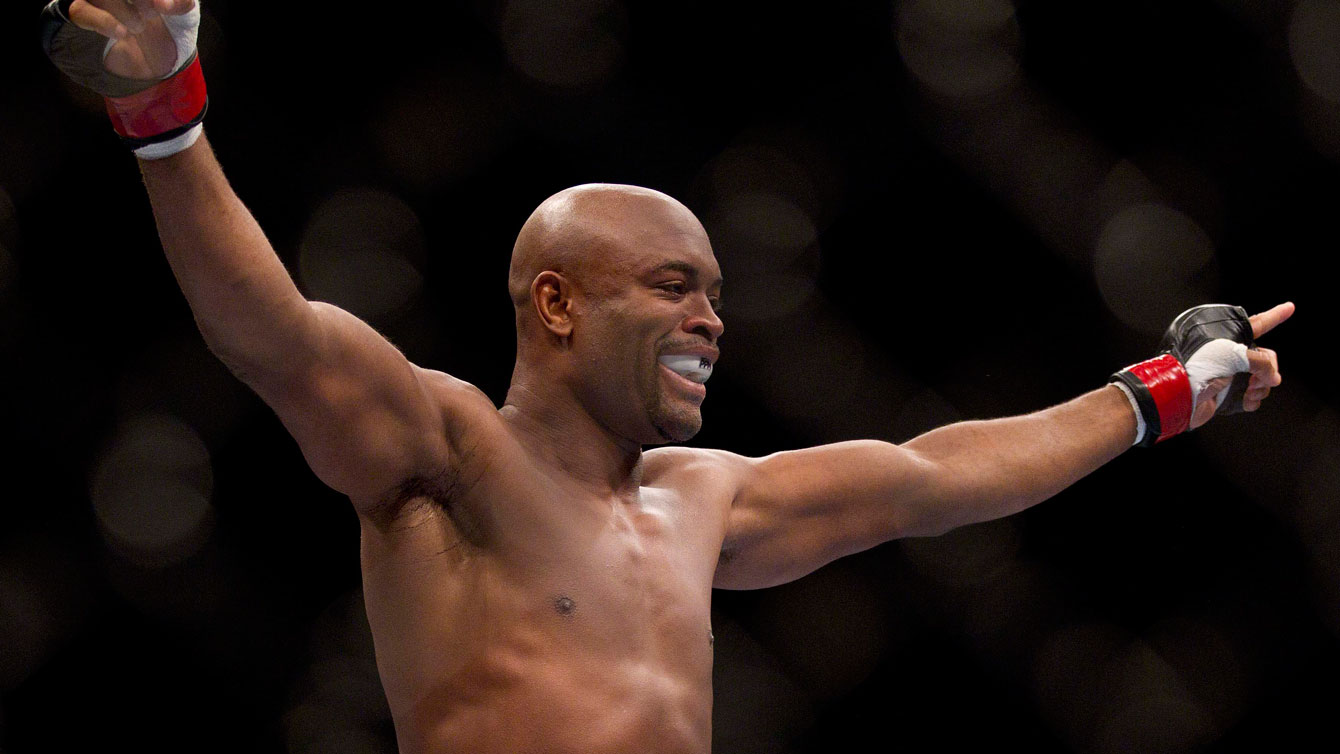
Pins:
x,y
535,582
551,591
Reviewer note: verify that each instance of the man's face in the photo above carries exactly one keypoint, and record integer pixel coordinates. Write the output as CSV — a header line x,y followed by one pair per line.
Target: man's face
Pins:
x,y
656,296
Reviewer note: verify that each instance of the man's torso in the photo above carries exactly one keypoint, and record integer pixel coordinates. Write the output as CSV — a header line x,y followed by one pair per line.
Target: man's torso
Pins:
x,y
514,612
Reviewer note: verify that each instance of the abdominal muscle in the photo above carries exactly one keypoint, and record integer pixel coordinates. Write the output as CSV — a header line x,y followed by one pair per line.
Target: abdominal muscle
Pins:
x,y
599,648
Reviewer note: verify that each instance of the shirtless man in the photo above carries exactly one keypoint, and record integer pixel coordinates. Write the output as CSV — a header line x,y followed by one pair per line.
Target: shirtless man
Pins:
x,y
535,581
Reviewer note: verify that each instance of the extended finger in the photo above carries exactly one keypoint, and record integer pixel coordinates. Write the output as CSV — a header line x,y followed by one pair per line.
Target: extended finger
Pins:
x,y
86,16
127,15
1268,320
1264,366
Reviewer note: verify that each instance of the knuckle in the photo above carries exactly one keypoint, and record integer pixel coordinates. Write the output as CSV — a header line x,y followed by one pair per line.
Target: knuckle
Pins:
x,y
92,19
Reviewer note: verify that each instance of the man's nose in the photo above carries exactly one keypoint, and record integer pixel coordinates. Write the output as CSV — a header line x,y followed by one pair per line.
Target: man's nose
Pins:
x,y
705,321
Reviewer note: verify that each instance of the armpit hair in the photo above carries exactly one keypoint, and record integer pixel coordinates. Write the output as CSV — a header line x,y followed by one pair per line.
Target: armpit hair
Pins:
x,y
445,488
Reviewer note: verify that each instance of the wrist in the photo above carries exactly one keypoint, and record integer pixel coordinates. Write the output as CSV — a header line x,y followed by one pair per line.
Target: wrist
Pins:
x,y
1160,394
159,150
165,118
155,117
1135,409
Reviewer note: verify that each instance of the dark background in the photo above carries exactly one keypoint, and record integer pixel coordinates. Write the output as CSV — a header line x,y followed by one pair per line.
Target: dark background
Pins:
x,y
925,211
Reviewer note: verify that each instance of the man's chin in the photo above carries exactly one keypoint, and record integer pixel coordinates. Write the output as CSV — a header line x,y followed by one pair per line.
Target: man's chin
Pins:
x,y
676,428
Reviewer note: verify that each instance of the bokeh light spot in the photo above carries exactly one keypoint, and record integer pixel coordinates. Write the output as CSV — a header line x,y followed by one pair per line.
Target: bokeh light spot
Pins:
x,y
356,253
1314,46
961,50
770,230
573,45
758,237
151,490
25,625
967,556
1150,262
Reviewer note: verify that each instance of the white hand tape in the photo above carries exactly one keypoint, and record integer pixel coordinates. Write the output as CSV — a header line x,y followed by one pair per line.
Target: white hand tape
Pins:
x,y
1135,406
185,31
170,147
1218,358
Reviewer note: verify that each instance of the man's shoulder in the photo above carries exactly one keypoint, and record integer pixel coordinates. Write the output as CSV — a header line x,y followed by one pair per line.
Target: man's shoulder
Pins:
x,y
675,462
455,387
463,403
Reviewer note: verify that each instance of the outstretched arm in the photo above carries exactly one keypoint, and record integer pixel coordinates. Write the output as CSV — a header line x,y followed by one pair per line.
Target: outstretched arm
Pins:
x,y
797,510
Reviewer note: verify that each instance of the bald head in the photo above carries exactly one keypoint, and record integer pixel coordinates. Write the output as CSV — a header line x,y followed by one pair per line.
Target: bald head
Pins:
x,y
586,231
606,280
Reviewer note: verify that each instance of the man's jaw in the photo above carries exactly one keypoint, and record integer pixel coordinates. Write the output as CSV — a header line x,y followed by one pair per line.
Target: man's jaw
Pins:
x,y
675,400
695,391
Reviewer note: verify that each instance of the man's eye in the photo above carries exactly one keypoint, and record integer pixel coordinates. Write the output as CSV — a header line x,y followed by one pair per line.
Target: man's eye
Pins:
x,y
677,288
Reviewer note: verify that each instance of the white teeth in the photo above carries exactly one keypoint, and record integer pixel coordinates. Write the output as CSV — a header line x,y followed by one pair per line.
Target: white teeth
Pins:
x,y
694,368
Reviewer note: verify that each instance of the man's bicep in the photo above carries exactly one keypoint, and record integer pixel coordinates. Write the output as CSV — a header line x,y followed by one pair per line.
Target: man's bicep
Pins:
x,y
366,419
801,509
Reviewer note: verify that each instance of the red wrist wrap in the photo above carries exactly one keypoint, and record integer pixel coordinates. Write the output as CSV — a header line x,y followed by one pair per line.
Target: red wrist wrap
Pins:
x,y
1166,379
170,104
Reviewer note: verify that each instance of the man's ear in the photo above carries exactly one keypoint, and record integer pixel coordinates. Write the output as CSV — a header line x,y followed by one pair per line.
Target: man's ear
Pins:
x,y
552,296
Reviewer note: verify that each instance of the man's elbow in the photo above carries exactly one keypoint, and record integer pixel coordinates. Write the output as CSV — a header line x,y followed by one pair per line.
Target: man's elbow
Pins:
x,y
931,498
926,524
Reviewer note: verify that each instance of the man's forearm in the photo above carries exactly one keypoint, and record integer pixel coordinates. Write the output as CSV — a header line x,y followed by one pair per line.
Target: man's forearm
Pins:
x,y
244,301
989,469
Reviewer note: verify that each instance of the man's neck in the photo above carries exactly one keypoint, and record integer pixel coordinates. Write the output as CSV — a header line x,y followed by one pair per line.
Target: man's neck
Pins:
x,y
557,429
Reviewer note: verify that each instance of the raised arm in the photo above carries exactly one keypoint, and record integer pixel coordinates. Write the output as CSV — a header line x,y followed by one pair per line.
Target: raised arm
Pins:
x,y
797,510
366,419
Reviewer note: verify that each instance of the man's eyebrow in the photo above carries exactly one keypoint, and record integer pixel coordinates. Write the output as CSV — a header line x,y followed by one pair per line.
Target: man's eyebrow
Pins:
x,y
684,267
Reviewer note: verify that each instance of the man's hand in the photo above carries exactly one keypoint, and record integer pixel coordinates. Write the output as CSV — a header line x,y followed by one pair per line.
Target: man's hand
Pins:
x,y
140,55
1209,364
145,47
1263,365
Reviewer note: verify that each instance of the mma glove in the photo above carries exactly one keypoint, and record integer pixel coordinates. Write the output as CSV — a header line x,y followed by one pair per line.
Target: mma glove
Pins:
x,y
1203,344
154,118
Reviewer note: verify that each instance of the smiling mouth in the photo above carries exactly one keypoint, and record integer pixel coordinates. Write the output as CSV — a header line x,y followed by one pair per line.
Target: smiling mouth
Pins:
x,y
693,368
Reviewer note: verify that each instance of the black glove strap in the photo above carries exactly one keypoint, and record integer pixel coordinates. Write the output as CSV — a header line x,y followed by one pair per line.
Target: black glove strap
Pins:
x,y
79,52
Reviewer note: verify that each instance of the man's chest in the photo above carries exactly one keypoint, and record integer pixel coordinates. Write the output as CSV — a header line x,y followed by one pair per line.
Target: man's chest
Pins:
x,y
641,573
